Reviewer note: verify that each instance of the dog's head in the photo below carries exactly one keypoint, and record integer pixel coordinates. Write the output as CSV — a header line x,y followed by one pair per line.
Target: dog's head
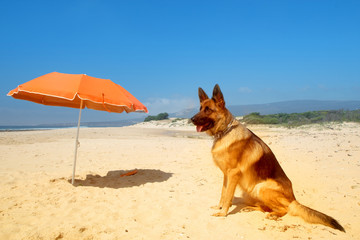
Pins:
x,y
213,116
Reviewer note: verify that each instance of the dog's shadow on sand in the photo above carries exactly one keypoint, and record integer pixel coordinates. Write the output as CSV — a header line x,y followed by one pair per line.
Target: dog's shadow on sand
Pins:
x,y
240,206
116,179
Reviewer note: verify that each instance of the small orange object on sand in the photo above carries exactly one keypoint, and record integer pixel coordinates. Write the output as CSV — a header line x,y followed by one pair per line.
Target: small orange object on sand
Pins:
x,y
129,173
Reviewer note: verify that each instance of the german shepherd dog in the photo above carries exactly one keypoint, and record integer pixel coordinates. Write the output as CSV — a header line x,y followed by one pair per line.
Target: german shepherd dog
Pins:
x,y
247,161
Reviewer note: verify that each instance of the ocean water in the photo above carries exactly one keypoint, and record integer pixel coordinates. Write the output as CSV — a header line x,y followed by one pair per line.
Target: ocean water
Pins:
x,y
61,126
27,128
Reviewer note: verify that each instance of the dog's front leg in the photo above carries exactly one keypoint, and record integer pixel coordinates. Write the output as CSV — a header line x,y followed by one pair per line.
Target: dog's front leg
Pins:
x,y
223,191
232,179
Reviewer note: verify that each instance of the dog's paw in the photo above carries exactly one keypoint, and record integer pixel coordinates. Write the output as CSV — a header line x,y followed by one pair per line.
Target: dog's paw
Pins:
x,y
219,214
272,216
217,207
247,209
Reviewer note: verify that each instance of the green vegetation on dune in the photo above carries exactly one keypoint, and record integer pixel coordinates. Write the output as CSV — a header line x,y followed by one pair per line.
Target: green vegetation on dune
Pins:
x,y
297,119
160,116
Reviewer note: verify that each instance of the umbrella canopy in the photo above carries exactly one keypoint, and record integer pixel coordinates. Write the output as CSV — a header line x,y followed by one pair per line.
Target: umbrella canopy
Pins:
x,y
78,91
67,90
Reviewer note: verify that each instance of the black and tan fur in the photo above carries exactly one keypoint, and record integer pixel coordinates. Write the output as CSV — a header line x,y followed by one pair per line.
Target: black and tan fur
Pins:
x,y
248,162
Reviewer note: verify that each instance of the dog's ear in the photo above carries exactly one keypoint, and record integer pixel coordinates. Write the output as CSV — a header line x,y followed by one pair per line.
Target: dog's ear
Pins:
x,y
202,95
218,96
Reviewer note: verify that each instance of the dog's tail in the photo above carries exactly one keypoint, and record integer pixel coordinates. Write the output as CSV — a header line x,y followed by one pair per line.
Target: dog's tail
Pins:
x,y
313,216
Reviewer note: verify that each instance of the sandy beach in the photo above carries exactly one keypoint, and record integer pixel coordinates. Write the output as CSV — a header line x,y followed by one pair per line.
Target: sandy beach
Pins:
x,y
175,185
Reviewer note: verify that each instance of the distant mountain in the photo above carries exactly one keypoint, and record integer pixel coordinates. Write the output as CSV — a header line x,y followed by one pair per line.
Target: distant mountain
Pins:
x,y
298,106
186,113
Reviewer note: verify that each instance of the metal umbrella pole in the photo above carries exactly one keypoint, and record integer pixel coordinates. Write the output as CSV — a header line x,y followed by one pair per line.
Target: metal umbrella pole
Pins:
x,y
76,143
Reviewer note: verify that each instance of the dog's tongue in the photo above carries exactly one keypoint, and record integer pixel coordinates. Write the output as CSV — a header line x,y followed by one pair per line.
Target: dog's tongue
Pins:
x,y
199,128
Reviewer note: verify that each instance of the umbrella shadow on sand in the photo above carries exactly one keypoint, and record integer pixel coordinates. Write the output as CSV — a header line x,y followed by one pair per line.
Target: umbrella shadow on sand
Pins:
x,y
115,179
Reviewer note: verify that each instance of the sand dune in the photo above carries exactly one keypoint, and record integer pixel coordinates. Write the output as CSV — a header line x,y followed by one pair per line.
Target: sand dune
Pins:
x,y
176,183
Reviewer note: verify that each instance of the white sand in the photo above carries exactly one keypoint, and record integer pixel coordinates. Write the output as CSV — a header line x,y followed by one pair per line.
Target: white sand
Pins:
x,y
176,183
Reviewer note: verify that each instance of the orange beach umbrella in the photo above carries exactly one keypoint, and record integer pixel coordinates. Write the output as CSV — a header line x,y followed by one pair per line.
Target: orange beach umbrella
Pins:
x,y
78,91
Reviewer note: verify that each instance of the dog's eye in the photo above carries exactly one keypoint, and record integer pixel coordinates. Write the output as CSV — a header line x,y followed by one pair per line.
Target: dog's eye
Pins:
x,y
208,110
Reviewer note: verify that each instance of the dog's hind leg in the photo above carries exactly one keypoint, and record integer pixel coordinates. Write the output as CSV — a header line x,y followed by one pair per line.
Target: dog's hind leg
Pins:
x,y
274,199
276,202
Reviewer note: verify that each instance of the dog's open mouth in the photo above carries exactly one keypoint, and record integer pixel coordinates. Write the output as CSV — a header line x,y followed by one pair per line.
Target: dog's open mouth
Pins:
x,y
202,128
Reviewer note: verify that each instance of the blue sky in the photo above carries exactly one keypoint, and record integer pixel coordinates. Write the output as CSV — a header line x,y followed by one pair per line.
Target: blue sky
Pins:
x,y
162,51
